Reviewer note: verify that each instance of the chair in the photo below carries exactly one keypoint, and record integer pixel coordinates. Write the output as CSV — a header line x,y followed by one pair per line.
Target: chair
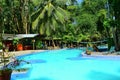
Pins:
x,y
112,50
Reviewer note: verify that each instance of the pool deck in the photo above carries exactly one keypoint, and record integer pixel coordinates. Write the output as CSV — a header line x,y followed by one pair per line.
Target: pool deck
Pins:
x,y
18,53
104,54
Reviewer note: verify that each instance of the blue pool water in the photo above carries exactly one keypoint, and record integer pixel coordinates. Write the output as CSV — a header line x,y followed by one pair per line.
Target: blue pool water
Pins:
x,y
68,64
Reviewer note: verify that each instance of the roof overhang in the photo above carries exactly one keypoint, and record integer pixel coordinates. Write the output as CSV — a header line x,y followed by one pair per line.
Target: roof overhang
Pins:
x,y
18,36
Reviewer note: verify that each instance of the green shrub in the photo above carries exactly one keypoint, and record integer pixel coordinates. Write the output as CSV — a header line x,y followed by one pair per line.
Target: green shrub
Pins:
x,y
39,44
0,45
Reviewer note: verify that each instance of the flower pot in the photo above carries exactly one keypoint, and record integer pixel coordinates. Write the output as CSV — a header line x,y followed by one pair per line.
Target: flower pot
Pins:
x,y
88,52
19,47
5,74
1,78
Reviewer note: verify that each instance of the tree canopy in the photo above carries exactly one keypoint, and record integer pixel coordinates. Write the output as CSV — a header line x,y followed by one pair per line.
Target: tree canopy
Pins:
x,y
65,19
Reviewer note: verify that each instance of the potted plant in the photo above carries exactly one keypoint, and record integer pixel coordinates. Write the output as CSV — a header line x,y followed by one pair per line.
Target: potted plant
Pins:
x,y
88,52
17,45
5,72
9,66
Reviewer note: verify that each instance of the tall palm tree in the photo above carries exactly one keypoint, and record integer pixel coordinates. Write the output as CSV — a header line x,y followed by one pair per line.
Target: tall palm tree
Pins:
x,y
49,16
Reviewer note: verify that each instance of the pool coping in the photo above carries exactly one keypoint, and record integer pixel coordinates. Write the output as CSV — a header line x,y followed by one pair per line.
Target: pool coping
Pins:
x,y
27,52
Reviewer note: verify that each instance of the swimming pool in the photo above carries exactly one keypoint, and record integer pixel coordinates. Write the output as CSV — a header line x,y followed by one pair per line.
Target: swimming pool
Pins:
x,y
68,64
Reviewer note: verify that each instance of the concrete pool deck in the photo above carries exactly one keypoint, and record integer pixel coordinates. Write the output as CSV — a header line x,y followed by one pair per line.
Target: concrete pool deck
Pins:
x,y
18,53
104,54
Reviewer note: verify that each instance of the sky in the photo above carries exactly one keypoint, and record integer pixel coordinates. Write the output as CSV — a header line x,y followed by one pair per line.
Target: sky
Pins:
x,y
80,1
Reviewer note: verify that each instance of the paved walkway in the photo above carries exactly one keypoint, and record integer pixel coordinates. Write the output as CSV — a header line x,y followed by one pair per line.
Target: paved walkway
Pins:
x,y
17,53
105,54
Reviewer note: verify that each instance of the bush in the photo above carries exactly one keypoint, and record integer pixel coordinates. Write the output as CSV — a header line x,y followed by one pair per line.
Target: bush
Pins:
x,y
0,45
39,44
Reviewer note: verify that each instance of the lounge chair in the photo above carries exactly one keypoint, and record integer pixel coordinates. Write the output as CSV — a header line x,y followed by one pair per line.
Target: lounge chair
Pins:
x,y
112,50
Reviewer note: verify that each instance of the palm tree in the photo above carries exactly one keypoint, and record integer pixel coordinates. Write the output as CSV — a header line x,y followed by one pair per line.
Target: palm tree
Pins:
x,y
49,16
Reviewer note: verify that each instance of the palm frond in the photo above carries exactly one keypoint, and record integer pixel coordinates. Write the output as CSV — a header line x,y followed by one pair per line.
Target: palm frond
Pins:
x,y
65,13
35,14
41,28
50,9
59,16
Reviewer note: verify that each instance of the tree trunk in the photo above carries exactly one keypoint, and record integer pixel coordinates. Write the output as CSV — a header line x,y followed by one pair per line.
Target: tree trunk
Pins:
x,y
114,37
117,39
53,43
